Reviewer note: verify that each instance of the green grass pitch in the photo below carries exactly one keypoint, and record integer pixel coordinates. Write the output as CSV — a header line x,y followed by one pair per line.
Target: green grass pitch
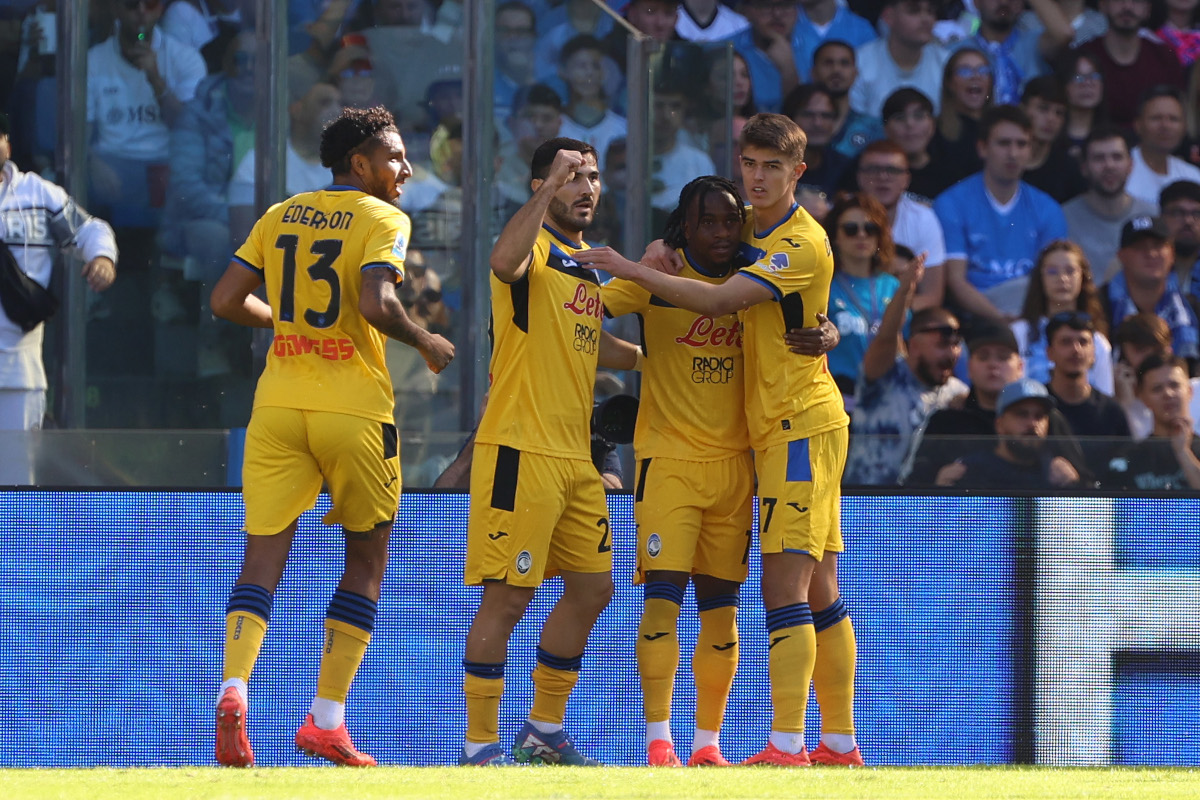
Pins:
x,y
568,783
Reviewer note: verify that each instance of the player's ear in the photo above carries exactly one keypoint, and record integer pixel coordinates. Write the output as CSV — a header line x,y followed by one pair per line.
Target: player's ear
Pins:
x,y
536,183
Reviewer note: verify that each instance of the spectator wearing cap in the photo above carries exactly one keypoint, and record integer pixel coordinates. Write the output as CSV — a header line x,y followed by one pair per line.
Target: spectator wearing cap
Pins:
x,y
1061,283
777,58
1160,128
1180,204
1021,457
1094,218
909,56
897,391
1095,417
1146,283
953,433
1169,459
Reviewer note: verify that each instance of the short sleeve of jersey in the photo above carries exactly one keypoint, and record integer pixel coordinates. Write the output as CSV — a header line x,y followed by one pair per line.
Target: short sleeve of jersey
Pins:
x,y
387,245
623,297
252,253
948,211
788,267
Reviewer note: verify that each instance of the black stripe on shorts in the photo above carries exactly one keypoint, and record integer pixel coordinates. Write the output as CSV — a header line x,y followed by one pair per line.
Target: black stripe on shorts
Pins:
x,y
641,484
504,481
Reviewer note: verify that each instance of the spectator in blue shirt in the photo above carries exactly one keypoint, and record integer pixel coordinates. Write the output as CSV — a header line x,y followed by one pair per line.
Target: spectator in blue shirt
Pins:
x,y
995,224
778,59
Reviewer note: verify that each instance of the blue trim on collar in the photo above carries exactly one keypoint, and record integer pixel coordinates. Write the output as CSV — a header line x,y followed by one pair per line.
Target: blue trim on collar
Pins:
x,y
560,237
771,230
687,256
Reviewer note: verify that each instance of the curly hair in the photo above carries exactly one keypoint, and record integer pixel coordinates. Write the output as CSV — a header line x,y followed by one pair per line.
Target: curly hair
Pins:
x,y
698,189
350,131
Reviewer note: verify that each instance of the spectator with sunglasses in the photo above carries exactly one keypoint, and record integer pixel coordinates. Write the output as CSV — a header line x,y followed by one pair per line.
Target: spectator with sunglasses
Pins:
x,y
1061,286
862,286
897,390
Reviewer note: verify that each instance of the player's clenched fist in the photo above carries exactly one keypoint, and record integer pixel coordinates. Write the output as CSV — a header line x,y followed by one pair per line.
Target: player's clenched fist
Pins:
x,y
438,352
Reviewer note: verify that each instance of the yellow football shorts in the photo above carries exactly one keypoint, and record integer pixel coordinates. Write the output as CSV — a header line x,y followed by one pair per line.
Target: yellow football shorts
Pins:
x,y
694,517
800,494
533,516
290,452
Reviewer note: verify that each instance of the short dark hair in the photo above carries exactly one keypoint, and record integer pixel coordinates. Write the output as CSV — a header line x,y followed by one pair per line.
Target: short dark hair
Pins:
x,y
539,94
997,115
1158,361
1158,91
902,98
543,157
1103,133
1044,87
1179,190
828,43
578,43
350,131
800,96
1145,330
1080,321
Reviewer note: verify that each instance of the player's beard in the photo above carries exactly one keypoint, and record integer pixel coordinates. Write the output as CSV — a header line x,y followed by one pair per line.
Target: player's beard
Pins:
x,y
566,220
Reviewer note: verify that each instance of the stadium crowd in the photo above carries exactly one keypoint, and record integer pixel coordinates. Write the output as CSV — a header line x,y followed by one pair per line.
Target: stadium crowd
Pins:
x,y
1043,158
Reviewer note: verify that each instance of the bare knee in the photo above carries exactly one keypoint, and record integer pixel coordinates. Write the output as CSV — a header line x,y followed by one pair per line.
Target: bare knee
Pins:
x,y
589,593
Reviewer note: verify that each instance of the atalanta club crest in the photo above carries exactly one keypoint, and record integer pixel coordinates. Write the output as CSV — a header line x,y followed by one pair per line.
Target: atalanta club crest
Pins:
x,y
654,545
524,562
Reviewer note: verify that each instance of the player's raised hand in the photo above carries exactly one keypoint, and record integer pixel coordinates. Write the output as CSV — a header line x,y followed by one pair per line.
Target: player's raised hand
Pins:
x,y
813,341
609,260
662,258
566,164
438,352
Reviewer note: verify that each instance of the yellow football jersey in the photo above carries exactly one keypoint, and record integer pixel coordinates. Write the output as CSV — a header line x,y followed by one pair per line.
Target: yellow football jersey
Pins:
x,y
310,252
693,376
788,396
545,339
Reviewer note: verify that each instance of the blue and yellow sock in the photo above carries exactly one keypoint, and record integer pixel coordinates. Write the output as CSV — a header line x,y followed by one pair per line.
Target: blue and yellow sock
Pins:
x,y
483,685
246,617
349,621
553,679
791,657
833,674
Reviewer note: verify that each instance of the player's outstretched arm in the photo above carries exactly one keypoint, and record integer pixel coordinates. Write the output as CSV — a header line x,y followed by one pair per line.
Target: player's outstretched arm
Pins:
x,y
513,249
380,306
713,299
233,299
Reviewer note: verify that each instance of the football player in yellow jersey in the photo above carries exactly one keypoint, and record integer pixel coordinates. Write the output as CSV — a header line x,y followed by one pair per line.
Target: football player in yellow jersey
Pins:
x,y
331,261
537,502
694,495
798,429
